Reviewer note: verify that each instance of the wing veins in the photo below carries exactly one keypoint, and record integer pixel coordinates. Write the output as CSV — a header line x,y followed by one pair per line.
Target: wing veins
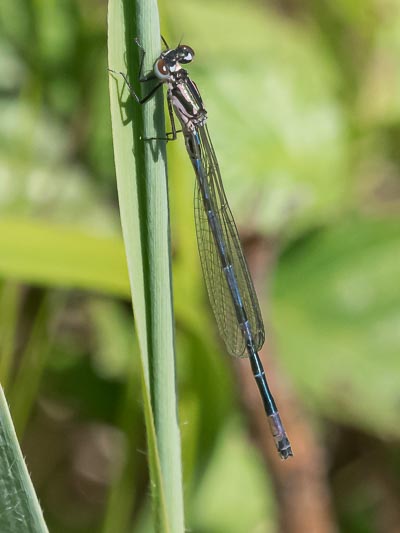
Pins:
x,y
217,286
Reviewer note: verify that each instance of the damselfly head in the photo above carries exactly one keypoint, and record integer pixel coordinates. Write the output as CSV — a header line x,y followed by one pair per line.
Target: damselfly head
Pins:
x,y
170,61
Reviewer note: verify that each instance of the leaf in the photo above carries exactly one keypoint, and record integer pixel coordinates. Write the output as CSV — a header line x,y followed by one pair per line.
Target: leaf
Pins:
x,y
19,507
337,318
43,254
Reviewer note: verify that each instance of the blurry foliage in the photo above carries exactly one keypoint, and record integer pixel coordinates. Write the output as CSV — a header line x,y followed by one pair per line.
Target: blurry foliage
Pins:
x,y
305,116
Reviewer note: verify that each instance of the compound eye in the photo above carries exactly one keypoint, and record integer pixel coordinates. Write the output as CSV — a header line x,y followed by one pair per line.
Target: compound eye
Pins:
x,y
161,70
186,54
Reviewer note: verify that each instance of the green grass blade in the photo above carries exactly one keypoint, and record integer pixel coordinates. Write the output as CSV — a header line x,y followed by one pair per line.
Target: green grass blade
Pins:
x,y
9,308
143,198
20,511
23,391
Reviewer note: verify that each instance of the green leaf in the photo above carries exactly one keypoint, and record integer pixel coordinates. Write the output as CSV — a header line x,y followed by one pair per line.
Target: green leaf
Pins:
x,y
143,200
43,254
19,507
336,314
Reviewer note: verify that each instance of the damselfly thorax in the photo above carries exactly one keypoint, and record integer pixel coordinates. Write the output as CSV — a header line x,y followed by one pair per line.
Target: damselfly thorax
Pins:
x,y
186,101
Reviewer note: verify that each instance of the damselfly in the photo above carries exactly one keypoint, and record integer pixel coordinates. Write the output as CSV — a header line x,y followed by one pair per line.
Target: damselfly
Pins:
x,y
229,285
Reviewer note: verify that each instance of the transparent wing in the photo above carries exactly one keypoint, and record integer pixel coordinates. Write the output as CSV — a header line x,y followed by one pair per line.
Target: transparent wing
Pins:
x,y
207,171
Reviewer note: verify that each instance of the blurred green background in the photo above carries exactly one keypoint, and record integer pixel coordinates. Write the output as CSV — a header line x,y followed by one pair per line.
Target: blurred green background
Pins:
x,y
304,110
